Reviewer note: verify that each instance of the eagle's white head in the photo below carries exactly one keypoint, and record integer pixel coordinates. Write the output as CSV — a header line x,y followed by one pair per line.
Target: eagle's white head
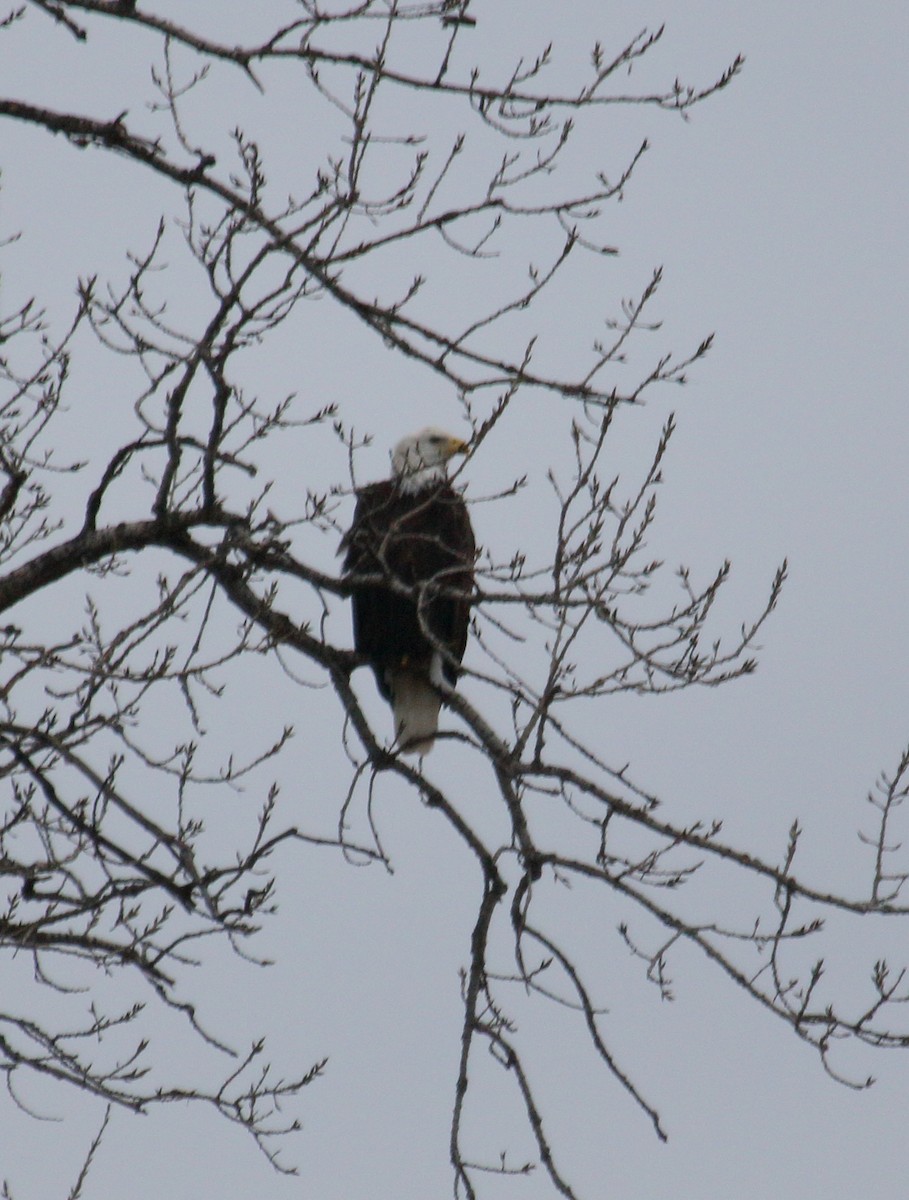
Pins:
x,y
419,460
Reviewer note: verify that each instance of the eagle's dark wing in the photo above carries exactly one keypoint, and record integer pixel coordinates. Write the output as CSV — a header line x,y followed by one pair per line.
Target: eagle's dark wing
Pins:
x,y
425,543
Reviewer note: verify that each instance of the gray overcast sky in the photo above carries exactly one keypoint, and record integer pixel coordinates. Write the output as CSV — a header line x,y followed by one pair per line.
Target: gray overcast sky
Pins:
x,y
779,216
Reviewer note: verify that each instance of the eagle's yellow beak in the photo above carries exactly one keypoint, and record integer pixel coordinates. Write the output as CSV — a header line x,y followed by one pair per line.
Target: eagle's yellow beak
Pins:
x,y
456,446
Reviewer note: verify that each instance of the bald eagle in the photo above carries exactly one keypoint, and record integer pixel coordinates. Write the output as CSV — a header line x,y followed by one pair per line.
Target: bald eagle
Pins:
x,y
414,531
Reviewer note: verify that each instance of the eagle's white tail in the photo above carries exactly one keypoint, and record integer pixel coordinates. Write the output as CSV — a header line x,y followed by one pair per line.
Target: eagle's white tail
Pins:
x,y
416,707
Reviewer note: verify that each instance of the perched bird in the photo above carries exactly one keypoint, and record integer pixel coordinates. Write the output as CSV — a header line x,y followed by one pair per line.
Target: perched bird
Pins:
x,y
412,535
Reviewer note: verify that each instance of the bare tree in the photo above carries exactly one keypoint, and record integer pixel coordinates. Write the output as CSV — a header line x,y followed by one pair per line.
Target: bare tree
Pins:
x,y
149,569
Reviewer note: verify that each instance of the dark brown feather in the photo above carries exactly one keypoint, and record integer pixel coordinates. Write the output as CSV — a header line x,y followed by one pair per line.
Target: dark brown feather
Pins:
x,y
423,542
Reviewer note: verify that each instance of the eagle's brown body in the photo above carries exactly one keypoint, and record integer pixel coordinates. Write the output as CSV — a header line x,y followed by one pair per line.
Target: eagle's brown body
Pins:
x,y
411,618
